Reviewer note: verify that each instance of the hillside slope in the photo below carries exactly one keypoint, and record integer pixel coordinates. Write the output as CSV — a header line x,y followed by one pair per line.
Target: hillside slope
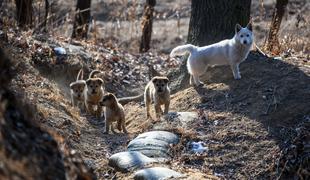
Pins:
x,y
244,123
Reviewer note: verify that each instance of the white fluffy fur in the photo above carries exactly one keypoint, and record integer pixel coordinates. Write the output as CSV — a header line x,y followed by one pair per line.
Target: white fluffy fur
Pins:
x,y
227,52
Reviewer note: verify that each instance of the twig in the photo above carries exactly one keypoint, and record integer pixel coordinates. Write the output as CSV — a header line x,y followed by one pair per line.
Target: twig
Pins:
x,y
260,51
282,170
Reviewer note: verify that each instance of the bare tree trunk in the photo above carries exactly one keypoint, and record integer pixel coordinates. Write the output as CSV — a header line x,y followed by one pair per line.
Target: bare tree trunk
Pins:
x,y
24,13
47,6
279,11
43,26
147,23
82,19
212,21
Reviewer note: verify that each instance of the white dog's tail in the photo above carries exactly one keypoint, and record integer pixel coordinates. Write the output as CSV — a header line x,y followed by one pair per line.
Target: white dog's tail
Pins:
x,y
181,50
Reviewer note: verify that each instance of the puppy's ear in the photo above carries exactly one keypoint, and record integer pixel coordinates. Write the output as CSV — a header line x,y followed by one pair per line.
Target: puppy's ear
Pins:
x,y
166,80
154,79
238,27
72,85
249,26
88,81
100,81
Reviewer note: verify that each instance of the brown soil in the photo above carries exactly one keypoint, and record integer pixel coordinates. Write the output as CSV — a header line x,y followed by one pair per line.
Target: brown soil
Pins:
x,y
247,121
28,151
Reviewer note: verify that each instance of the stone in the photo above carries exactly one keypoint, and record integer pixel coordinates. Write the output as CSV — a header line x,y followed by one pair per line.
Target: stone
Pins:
x,y
128,161
160,135
154,144
77,50
156,173
181,118
176,119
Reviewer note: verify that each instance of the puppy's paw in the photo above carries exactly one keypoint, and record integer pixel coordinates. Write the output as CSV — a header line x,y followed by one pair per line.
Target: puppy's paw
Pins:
x,y
105,132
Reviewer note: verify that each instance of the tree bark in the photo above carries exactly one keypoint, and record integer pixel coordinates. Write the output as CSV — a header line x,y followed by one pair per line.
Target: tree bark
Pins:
x,y
47,6
278,13
147,23
213,21
82,19
24,13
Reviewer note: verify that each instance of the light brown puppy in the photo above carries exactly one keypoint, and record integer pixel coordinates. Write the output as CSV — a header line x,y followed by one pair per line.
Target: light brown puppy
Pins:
x,y
93,94
157,91
114,112
77,91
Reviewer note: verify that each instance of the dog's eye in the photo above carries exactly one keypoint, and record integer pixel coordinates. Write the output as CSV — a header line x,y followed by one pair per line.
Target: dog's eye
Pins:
x,y
247,35
241,36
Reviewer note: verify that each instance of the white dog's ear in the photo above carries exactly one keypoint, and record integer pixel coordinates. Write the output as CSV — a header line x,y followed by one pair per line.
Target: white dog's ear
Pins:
x,y
238,28
249,26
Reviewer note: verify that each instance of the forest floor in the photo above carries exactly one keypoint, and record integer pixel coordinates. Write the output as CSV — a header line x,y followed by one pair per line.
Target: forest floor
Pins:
x,y
246,124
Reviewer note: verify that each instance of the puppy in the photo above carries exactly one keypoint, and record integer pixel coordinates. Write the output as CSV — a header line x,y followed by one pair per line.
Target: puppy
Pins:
x,y
227,52
77,91
93,94
114,112
157,91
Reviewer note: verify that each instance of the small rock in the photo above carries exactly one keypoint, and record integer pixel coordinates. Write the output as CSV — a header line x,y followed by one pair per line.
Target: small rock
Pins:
x,y
156,173
181,118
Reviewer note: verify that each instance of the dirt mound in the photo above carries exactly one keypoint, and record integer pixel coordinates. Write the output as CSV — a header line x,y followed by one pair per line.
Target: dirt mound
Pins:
x,y
243,119
27,151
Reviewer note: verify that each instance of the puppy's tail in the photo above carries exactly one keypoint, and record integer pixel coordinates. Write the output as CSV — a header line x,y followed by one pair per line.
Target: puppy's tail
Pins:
x,y
126,100
91,75
80,75
181,50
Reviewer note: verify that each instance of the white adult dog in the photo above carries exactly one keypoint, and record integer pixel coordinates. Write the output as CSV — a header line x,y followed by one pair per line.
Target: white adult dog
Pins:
x,y
227,52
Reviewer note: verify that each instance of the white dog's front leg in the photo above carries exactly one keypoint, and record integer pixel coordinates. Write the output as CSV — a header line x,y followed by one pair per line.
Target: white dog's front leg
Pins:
x,y
190,79
235,70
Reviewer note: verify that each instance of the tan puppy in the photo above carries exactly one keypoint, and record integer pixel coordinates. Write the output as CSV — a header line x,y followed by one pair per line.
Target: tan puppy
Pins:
x,y
157,91
93,94
114,112
77,91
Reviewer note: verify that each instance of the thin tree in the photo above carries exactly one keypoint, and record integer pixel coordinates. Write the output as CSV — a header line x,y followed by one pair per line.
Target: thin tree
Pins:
x,y
82,19
24,13
47,6
212,21
147,23
272,44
